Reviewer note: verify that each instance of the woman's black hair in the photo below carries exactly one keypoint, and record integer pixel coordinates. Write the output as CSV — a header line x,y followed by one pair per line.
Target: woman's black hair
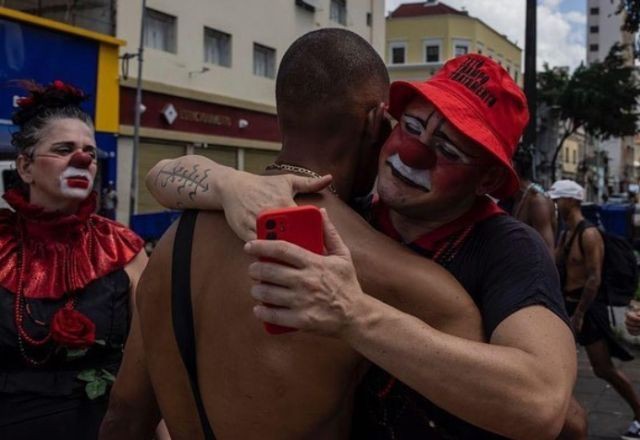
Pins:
x,y
42,105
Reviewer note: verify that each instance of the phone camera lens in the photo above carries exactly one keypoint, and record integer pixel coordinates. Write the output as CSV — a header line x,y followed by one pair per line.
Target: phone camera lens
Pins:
x,y
271,224
272,236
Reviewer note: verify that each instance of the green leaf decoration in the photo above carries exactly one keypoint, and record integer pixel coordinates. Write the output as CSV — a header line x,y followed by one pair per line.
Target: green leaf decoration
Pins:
x,y
100,342
76,353
107,376
96,388
87,375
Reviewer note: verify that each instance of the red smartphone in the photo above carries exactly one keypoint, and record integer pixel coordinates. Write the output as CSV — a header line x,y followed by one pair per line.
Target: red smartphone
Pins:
x,y
301,225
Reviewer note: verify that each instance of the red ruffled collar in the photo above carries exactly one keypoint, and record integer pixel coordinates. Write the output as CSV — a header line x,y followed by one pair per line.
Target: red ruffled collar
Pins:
x,y
61,253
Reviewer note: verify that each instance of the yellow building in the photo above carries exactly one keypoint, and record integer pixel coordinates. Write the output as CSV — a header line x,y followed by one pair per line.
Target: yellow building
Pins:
x,y
571,155
422,36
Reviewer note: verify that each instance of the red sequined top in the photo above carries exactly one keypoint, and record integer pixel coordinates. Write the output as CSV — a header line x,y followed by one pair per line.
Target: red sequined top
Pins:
x,y
62,253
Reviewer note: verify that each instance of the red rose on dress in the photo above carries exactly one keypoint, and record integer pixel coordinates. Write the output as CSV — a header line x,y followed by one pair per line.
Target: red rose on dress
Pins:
x,y
72,329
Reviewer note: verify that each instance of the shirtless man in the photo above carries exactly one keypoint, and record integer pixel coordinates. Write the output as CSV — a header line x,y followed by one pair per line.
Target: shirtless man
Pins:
x,y
296,385
580,257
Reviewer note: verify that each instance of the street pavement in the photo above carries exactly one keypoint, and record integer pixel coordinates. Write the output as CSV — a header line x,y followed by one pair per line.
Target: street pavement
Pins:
x,y
609,414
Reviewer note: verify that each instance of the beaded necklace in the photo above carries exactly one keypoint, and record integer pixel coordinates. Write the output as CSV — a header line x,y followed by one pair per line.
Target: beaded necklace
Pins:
x,y
21,307
443,255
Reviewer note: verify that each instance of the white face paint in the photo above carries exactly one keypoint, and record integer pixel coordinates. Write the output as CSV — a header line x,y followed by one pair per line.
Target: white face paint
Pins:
x,y
76,183
420,178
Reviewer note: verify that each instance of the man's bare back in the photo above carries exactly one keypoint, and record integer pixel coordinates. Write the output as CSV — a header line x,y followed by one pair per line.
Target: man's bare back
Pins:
x,y
256,385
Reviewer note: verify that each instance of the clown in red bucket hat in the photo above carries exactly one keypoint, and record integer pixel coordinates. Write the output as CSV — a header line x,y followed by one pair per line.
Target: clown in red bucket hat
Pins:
x,y
458,129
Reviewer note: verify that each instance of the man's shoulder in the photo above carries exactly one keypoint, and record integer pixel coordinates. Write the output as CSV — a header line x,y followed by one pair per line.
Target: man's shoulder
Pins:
x,y
591,235
502,227
504,234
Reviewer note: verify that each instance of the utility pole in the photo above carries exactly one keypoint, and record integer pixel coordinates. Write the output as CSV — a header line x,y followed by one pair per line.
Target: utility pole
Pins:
x,y
530,85
136,121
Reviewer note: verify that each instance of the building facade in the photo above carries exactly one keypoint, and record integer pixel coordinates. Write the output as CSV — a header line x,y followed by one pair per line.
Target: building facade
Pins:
x,y
603,31
209,73
422,36
572,151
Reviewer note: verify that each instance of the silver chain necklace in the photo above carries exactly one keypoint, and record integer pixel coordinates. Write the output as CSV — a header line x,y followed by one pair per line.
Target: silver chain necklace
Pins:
x,y
299,170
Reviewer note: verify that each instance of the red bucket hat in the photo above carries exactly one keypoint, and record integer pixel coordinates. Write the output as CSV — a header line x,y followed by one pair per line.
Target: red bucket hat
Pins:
x,y
481,100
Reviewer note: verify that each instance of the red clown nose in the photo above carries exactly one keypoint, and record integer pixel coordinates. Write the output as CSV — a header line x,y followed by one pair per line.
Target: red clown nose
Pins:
x,y
415,154
80,159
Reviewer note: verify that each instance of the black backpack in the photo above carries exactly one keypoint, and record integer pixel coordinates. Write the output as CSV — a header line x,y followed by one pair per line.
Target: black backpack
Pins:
x,y
619,267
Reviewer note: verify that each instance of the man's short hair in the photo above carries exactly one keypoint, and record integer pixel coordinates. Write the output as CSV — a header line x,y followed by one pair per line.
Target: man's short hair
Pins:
x,y
325,77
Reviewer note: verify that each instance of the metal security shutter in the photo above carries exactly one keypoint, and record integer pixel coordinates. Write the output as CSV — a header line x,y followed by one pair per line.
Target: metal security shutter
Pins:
x,y
149,155
255,161
222,155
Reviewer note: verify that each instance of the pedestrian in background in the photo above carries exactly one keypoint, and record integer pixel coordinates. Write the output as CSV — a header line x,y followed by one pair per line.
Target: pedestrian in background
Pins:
x,y
109,202
580,258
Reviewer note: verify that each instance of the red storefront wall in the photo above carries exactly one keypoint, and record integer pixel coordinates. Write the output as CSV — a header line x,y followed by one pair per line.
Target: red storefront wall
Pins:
x,y
199,117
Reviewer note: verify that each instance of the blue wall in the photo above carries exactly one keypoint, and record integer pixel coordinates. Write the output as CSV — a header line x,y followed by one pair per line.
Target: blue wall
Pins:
x,y
32,52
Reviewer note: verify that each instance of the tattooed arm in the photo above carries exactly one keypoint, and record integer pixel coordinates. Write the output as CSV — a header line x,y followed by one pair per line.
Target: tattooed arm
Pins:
x,y
196,182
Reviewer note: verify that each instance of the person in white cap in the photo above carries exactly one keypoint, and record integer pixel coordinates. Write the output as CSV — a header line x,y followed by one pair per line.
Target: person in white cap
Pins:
x,y
580,256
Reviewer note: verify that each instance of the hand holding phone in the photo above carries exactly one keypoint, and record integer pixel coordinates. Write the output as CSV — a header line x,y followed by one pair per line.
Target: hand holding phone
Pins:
x,y
301,225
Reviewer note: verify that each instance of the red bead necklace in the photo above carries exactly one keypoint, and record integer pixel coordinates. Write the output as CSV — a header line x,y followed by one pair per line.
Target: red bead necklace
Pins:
x,y
20,306
443,256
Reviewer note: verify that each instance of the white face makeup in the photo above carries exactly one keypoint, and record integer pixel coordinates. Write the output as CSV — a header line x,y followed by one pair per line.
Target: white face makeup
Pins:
x,y
76,183
62,168
418,177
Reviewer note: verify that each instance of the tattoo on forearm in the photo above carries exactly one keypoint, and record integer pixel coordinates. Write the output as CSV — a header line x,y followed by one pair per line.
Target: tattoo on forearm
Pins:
x,y
189,179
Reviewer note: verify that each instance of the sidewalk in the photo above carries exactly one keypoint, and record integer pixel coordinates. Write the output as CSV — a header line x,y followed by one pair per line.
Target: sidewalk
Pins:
x,y
609,415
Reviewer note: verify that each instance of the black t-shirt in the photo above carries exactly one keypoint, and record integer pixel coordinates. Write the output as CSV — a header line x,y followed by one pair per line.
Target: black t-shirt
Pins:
x,y
504,266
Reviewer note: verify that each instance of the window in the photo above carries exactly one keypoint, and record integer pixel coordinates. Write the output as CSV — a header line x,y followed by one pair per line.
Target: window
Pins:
x,y
594,11
566,155
217,47
398,53
574,154
515,76
264,61
306,5
594,29
369,19
432,54
432,50
159,31
593,47
509,69
460,47
460,50
338,11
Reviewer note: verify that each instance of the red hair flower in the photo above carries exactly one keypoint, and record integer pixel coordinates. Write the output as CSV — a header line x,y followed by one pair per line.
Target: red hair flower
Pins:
x,y
24,101
72,329
58,84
